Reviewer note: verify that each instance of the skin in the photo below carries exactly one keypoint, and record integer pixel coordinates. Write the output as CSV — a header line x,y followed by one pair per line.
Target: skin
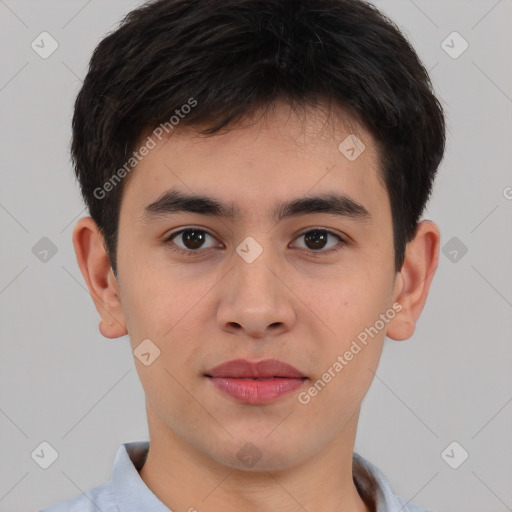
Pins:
x,y
288,304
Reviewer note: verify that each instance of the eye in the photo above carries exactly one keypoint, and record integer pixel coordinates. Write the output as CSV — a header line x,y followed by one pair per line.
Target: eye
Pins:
x,y
191,238
316,239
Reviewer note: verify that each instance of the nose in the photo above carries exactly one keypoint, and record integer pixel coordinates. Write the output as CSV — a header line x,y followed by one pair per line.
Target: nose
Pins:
x,y
256,300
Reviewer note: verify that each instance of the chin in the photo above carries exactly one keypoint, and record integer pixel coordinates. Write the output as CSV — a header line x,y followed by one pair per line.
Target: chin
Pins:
x,y
259,453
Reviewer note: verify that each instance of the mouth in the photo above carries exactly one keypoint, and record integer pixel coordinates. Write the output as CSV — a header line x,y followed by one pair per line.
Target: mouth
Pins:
x,y
256,383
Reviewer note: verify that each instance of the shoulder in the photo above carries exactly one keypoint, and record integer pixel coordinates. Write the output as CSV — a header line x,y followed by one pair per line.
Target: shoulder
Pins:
x,y
376,489
405,506
98,498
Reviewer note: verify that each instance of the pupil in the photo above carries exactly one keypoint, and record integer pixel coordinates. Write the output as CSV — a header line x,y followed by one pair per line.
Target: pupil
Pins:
x,y
315,237
193,239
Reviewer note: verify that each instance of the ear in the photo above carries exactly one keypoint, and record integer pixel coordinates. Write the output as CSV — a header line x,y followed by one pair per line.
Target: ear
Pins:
x,y
97,271
413,281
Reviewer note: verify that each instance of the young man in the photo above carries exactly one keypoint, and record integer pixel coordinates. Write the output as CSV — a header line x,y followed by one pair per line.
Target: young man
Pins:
x,y
255,171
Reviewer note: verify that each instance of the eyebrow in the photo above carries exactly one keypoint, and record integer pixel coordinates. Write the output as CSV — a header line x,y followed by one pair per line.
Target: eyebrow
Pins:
x,y
174,201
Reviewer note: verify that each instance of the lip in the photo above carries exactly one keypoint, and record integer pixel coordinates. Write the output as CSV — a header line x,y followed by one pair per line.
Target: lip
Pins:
x,y
256,382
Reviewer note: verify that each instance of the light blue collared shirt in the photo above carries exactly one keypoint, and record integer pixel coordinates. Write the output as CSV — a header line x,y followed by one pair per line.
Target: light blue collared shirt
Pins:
x,y
127,492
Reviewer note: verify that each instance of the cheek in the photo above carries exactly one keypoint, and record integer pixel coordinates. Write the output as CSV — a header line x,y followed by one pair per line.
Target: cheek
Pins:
x,y
352,309
168,313
349,303
148,307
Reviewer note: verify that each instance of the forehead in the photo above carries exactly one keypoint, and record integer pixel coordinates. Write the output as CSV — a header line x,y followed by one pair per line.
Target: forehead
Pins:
x,y
275,156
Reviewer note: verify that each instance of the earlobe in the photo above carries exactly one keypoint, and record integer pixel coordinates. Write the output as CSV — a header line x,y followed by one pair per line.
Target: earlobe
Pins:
x,y
413,282
97,272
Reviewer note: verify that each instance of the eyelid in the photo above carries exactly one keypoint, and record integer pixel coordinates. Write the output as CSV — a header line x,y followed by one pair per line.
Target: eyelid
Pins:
x,y
321,228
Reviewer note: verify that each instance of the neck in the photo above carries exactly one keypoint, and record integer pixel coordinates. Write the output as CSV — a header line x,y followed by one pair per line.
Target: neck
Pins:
x,y
186,480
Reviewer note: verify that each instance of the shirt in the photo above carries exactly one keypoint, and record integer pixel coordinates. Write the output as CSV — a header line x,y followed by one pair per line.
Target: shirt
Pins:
x,y
127,492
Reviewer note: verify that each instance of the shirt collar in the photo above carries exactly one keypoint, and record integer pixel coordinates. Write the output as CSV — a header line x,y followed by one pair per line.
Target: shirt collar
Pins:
x,y
130,492
133,495
372,482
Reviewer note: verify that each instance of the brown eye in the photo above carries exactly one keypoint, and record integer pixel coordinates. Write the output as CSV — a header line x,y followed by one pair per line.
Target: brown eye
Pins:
x,y
317,239
192,239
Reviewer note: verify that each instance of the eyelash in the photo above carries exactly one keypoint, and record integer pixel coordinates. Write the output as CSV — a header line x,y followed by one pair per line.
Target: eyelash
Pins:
x,y
190,252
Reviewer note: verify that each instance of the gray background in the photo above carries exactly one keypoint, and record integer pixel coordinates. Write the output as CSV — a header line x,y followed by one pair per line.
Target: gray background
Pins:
x,y
63,383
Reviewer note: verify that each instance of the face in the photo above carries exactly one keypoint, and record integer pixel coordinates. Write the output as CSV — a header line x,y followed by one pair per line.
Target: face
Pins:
x,y
303,287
